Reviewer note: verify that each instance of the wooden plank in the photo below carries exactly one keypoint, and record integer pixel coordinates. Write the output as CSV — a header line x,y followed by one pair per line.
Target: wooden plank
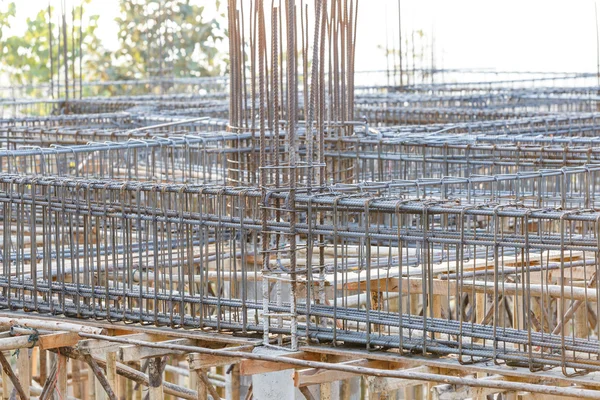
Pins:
x,y
136,353
204,361
59,339
252,367
100,347
316,376
377,384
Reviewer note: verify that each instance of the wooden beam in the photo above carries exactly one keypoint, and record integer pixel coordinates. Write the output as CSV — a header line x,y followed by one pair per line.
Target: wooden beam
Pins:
x,y
377,384
136,353
101,347
59,339
252,367
203,361
316,376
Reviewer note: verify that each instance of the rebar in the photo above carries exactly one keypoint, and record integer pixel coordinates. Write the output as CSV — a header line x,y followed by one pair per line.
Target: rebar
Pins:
x,y
456,219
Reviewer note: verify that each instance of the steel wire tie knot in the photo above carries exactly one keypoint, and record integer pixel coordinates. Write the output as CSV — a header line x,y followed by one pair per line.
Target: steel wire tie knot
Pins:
x,y
31,338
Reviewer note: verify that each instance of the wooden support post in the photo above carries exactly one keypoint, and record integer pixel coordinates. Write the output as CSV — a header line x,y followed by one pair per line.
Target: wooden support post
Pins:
x,y
345,389
325,387
35,366
219,370
111,370
13,378
76,381
24,369
581,321
480,312
518,315
168,375
91,386
7,386
155,384
123,388
480,307
43,354
414,392
440,307
61,380
234,382
137,388
376,299
429,394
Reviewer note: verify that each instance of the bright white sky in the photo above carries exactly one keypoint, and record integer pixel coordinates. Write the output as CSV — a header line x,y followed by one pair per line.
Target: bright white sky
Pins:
x,y
525,35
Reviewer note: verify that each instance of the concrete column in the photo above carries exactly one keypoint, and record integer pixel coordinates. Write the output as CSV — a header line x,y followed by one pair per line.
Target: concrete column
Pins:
x,y
274,385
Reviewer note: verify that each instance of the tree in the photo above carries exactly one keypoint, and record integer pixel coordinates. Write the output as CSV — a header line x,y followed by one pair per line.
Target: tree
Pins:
x,y
26,59
5,16
167,38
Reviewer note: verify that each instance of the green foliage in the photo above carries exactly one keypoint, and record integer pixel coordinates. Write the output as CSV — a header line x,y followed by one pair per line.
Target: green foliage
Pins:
x,y
167,38
26,58
5,16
